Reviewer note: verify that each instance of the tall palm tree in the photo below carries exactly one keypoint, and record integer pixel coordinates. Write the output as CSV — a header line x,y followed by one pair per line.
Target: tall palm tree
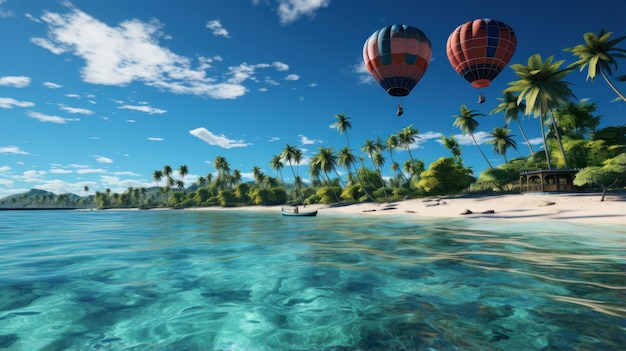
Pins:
x,y
454,147
325,161
278,165
258,175
502,141
468,124
236,178
183,171
392,143
378,160
157,175
223,171
512,110
342,125
167,172
292,154
541,87
407,137
598,53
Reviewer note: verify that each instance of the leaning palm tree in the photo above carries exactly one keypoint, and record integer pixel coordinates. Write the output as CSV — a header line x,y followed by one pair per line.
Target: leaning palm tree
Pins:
x,y
454,147
541,87
259,176
407,137
468,124
292,154
598,54
379,161
502,141
278,165
512,110
342,125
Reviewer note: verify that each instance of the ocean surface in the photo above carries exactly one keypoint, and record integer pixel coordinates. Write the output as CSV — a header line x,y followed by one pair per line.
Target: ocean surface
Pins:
x,y
228,280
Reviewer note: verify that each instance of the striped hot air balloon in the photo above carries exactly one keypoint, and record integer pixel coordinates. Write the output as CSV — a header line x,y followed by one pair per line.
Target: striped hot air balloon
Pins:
x,y
397,57
480,49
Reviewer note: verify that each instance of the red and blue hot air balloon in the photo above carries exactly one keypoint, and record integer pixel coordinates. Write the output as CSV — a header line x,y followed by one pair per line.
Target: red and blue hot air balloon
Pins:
x,y
480,49
397,57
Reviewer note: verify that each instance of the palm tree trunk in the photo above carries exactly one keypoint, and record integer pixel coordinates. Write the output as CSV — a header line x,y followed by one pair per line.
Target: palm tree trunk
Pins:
x,y
558,139
545,143
519,124
481,151
611,85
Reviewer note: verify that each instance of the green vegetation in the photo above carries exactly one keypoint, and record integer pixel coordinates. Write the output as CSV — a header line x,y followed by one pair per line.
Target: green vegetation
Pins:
x,y
569,131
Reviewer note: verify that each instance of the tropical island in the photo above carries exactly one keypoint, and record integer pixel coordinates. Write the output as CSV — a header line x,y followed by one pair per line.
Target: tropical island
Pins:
x,y
572,143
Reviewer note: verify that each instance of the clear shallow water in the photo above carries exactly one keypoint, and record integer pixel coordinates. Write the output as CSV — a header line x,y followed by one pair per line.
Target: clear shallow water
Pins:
x,y
199,280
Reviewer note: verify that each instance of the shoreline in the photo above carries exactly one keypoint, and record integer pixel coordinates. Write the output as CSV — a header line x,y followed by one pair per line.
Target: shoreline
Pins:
x,y
571,207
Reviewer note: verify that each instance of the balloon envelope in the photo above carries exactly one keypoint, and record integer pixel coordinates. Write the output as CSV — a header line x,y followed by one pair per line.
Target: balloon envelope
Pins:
x,y
397,57
480,49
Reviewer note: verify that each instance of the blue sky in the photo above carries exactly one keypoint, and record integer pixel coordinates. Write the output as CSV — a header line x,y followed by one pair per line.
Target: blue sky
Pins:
x,y
101,94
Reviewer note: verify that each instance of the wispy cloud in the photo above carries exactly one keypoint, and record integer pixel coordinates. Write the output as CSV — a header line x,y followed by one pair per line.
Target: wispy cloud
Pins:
x,y
218,30
143,108
74,110
52,119
130,52
12,150
11,103
217,140
15,81
290,11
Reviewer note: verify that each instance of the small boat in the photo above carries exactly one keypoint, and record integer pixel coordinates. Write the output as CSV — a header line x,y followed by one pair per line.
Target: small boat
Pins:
x,y
298,213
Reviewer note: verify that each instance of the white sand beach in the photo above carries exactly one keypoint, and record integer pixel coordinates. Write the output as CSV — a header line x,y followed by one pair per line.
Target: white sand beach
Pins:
x,y
571,207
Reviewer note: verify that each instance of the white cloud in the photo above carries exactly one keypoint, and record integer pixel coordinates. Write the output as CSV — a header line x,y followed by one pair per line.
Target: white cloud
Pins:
x,y
82,111
90,170
102,159
155,139
11,103
292,77
218,30
481,137
60,171
15,81
52,119
280,66
306,141
131,52
51,85
290,11
33,176
12,150
5,168
536,141
217,140
143,108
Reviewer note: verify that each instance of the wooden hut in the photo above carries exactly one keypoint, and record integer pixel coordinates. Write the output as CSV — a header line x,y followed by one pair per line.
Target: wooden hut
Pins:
x,y
553,180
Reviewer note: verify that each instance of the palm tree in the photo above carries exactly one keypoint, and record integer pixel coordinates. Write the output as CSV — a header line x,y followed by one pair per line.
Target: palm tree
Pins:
x,y
543,90
392,144
598,54
342,125
223,171
278,165
468,124
378,160
502,141
511,112
259,177
236,178
407,137
292,154
183,171
454,147
167,172
325,161
157,176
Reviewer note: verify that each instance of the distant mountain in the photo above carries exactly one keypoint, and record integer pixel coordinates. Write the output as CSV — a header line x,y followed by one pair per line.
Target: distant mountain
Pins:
x,y
40,199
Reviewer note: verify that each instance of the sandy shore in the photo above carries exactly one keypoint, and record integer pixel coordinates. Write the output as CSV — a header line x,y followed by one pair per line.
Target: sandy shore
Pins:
x,y
572,207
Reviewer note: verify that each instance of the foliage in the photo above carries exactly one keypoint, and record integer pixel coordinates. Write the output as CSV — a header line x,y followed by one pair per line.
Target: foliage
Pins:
x,y
227,198
444,176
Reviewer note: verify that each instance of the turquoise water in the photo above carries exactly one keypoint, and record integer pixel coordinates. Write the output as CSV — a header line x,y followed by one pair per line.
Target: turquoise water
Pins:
x,y
201,280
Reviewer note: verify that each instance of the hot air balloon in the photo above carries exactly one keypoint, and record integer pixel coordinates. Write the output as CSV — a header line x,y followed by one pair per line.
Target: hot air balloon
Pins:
x,y
397,57
478,50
